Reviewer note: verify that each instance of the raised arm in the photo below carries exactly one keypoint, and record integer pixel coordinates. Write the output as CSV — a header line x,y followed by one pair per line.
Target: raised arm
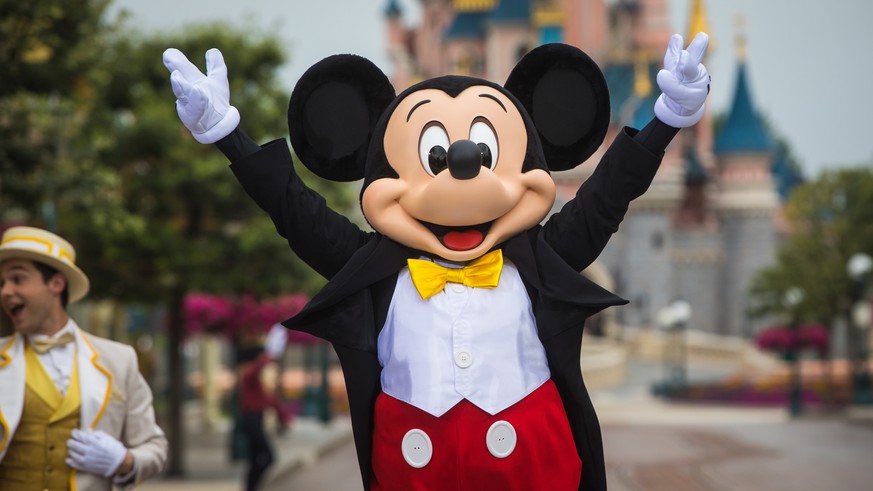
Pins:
x,y
321,237
580,231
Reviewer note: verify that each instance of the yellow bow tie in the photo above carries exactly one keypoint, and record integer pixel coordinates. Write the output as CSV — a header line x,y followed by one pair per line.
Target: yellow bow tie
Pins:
x,y
42,345
430,278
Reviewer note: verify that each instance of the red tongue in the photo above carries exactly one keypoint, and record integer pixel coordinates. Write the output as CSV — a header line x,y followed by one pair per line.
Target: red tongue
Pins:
x,y
462,241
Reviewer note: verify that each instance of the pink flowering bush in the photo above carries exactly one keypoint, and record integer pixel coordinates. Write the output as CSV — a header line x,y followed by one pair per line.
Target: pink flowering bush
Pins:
x,y
206,313
230,316
814,336
781,339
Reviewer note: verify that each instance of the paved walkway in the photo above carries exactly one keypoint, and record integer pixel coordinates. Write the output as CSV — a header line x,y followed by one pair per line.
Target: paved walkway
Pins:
x,y
650,445
208,467
801,455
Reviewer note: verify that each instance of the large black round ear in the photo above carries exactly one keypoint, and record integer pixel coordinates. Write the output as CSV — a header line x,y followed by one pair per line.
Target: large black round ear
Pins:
x,y
333,110
566,95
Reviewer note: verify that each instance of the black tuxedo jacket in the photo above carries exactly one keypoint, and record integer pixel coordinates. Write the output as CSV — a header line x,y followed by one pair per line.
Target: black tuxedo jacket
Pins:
x,y
362,271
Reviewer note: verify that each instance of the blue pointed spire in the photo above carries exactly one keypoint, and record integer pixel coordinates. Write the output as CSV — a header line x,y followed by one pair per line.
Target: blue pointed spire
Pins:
x,y
743,131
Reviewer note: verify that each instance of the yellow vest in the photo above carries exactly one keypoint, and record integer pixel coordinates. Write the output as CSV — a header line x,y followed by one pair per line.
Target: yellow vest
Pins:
x,y
35,459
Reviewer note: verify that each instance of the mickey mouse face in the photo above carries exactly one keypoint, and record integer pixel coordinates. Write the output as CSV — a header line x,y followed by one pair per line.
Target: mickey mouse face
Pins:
x,y
460,189
453,166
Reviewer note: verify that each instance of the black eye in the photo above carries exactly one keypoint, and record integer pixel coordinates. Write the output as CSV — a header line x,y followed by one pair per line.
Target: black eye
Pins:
x,y
486,155
436,159
432,147
484,135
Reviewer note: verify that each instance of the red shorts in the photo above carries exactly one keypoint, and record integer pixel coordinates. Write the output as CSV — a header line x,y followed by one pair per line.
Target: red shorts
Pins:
x,y
527,446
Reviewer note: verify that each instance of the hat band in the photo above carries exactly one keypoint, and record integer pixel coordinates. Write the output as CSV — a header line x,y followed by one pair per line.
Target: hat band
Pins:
x,y
42,246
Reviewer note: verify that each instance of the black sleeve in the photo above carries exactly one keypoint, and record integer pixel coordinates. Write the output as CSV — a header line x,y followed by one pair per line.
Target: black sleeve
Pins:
x,y
237,145
581,229
656,136
321,237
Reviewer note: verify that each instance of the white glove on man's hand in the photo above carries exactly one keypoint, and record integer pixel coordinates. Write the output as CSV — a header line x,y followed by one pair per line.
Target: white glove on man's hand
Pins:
x,y
684,82
276,340
202,101
95,452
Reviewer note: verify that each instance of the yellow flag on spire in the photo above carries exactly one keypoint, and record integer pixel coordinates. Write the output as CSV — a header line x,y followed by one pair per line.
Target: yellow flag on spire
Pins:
x,y
698,22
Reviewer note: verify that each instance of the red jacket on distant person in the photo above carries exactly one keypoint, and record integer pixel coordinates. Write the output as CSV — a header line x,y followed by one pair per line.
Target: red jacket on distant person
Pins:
x,y
254,398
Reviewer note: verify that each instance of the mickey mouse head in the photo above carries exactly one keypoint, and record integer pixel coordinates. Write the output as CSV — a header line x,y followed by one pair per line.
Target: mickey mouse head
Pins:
x,y
453,166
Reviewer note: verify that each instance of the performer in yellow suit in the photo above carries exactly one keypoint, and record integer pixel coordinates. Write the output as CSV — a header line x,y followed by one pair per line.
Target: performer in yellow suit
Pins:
x,y
75,413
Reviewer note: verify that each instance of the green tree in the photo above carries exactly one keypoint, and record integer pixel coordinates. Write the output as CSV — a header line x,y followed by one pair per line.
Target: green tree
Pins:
x,y
829,221
49,47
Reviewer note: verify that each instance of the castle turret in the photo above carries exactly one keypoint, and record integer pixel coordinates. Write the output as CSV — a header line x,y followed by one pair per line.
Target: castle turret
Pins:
x,y
747,201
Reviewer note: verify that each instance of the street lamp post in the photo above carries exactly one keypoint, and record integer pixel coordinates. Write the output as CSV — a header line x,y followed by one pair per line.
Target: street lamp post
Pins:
x,y
791,300
859,268
324,411
681,315
674,320
316,393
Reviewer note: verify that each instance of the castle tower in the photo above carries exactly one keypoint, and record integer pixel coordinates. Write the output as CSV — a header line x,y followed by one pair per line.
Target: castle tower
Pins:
x,y
746,200
586,25
464,40
507,36
399,51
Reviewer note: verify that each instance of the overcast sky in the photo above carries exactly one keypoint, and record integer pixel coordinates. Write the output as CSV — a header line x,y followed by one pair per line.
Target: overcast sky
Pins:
x,y
809,63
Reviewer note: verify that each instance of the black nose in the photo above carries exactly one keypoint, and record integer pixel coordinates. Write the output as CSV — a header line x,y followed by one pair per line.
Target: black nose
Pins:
x,y
464,159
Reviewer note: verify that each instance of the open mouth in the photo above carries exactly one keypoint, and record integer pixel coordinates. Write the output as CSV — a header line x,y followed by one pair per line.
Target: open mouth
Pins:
x,y
14,310
459,238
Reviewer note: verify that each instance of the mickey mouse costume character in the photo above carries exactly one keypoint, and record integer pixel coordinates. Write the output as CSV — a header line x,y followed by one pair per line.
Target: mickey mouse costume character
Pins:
x,y
458,322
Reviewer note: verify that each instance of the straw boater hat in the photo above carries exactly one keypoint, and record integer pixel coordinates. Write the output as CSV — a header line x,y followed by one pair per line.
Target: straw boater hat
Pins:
x,y
45,247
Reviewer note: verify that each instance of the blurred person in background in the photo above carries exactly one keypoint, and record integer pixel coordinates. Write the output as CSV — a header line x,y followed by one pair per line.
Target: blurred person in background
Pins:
x,y
75,412
253,401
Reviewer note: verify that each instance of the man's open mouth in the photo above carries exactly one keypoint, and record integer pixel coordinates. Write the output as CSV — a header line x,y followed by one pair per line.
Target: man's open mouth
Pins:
x,y
459,238
14,310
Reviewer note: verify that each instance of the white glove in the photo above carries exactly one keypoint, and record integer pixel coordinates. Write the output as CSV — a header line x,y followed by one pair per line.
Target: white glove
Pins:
x,y
202,101
276,340
95,452
684,82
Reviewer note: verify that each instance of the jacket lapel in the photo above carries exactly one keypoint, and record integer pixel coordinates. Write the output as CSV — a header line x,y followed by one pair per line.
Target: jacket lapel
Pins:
x,y
12,375
542,267
93,376
378,259
338,312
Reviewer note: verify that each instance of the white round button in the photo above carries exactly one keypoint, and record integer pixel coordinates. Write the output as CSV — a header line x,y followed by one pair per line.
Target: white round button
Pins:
x,y
501,439
458,287
416,448
463,359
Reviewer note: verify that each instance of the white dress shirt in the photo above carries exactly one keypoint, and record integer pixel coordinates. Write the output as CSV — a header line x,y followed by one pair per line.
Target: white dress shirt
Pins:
x,y
477,344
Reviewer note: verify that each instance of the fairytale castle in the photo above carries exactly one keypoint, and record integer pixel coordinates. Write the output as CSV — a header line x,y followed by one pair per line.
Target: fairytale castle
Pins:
x,y
709,220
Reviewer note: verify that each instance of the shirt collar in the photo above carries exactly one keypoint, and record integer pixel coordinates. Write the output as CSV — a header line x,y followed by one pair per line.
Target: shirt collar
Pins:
x,y
70,327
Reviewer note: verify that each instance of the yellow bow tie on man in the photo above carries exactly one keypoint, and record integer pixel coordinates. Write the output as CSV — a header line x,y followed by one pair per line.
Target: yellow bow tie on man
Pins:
x,y
430,278
43,344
